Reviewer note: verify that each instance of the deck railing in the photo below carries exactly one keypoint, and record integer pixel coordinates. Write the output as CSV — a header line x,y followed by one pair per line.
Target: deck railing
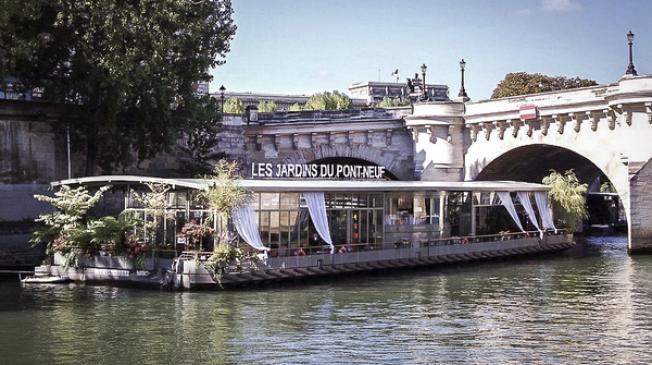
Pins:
x,y
365,253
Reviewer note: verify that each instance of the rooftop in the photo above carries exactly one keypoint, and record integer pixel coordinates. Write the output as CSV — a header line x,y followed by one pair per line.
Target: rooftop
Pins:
x,y
285,185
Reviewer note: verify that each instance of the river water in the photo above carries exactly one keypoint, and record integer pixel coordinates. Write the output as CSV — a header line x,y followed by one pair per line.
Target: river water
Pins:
x,y
591,304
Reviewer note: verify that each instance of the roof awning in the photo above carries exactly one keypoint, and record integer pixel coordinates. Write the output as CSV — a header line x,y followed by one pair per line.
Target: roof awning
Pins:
x,y
312,185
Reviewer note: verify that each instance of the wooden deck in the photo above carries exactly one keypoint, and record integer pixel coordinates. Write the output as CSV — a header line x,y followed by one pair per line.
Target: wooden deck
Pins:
x,y
299,267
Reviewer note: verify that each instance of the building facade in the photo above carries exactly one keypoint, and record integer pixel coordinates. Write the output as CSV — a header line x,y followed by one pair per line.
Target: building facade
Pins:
x,y
375,91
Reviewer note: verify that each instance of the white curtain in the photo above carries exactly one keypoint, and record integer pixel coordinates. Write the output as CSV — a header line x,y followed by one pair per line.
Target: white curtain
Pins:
x,y
244,220
317,208
506,201
541,197
524,197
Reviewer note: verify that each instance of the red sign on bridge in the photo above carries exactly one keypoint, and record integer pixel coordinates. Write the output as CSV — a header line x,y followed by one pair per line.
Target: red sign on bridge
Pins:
x,y
528,112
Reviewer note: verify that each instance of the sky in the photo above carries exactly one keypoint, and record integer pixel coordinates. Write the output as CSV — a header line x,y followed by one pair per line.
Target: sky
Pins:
x,y
307,46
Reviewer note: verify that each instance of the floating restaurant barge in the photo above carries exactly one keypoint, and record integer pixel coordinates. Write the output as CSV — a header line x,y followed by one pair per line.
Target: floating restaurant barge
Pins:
x,y
312,228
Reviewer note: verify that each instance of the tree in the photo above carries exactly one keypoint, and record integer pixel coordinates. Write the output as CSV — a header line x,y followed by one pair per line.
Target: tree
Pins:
x,y
201,140
267,106
65,230
392,103
296,107
328,101
568,197
234,106
125,68
522,83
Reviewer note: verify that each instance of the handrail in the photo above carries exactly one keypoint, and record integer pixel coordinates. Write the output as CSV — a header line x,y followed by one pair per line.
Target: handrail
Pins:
x,y
366,247
453,247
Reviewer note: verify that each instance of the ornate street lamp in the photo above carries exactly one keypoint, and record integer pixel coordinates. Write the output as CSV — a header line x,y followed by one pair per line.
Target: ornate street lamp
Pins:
x,y
222,90
462,93
423,79
630,68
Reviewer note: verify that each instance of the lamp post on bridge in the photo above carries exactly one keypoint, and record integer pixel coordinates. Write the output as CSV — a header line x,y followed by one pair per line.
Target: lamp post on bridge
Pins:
x,y
222,90
423,79
462,93
630,68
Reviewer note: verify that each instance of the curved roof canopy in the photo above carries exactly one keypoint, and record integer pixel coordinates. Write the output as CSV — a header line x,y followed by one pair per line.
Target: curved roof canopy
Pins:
x,y
310,185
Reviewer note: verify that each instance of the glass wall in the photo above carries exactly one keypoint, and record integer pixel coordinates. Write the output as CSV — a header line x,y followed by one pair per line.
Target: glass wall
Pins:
x,y
491,217
458,208
413,208
182,207
412,217
355,222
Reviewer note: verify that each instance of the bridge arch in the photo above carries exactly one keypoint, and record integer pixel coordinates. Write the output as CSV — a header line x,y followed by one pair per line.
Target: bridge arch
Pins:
x,y
397,167
532,160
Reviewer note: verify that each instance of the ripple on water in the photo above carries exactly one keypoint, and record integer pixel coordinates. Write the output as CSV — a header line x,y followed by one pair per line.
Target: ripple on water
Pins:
x,y
586,306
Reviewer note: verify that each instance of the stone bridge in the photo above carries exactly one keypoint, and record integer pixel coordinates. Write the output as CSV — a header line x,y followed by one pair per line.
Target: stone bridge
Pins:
x,y
598,131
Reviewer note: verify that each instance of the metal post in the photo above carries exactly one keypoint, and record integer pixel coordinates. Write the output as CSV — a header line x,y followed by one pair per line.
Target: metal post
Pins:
x,y
127,193
442,212
423,79
462,93
222,90
68,150
165,221
630,68
472,215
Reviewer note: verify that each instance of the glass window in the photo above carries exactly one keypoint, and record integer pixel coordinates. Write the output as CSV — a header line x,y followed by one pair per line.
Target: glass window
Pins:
x,y
284,227
433,208
294,226
421,206
401,209
269,200
376,200
289,200
459,213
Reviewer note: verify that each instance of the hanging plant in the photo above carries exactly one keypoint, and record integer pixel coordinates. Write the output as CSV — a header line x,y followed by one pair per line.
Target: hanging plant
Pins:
x,y
195,232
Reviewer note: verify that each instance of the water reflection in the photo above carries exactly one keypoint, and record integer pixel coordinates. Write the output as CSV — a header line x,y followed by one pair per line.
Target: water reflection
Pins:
x,y
587,305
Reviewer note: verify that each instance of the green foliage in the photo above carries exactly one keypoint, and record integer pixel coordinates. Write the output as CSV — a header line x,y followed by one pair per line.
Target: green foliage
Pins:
x,y
568,197
126,68
607,187
155,204
69,231
112,233
65,230
328,101
71,206
393,103
225,193
202,139
234,106
108,233
296,107
225,255
267,106
522,83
